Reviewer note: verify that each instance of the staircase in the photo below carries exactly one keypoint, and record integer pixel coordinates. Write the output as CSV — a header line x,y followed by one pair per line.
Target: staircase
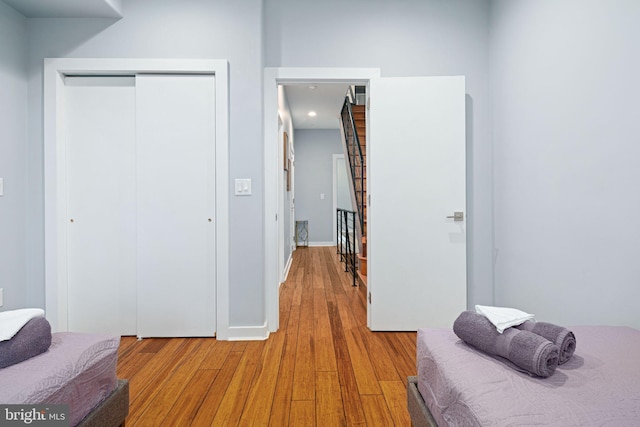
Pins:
x,y
355,136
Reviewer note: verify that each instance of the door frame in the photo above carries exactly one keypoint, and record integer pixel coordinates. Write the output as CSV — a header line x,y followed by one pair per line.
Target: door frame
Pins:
x,y
55,70
272,152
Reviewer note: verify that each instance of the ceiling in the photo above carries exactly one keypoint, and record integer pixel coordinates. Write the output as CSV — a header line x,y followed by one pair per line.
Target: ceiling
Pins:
x,y
326,100
68,8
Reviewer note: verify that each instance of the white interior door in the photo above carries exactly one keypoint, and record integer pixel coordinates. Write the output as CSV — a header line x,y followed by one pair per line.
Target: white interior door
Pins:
x,y
416,160
100,128
176,204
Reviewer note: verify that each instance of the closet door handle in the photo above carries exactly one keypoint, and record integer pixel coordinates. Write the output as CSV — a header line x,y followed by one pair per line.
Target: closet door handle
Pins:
x,y
457,216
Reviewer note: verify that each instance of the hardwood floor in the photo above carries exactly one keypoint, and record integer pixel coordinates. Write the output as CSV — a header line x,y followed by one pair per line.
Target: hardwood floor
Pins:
x,y
322,368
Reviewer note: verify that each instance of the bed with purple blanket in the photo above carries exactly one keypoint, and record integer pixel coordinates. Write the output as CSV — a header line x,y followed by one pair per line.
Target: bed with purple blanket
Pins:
x,y
74,369
458,385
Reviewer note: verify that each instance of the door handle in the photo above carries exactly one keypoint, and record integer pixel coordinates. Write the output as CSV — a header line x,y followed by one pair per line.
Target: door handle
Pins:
x,y
457,216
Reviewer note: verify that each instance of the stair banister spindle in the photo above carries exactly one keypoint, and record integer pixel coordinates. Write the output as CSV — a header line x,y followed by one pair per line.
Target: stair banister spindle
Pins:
x,y
356,159
354,149
345,240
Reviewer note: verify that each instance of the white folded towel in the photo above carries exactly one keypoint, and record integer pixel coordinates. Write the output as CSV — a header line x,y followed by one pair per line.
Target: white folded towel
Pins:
x,y
503,317
12,321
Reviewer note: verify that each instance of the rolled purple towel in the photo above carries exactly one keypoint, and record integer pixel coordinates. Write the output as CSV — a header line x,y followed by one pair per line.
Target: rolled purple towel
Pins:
x,y
31,340
524,349
559,335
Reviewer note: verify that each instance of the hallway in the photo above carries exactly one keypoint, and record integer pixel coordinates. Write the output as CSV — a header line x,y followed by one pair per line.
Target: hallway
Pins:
x,y
322,368
341,368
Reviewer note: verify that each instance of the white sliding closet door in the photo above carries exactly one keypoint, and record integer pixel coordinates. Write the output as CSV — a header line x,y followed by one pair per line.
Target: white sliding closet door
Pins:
x,y
175,133
100,143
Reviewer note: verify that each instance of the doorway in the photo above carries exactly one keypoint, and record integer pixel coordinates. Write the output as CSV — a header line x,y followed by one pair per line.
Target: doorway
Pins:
x,y
272,153
407,289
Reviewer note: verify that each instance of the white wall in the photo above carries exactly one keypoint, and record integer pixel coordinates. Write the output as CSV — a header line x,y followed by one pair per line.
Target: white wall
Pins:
x,y
314,176
566,89
13,138
406,38
215,29
343,195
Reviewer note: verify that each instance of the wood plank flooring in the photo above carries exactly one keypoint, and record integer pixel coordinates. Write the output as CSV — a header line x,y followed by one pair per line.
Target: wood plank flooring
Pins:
x,y
322,368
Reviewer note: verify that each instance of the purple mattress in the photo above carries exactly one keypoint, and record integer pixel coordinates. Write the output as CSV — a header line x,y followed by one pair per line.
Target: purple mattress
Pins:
x,y
78,370
599,385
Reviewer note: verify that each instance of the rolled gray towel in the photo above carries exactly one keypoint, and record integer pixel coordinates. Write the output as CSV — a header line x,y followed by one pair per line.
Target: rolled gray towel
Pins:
x,y
524,349
559,335
31,340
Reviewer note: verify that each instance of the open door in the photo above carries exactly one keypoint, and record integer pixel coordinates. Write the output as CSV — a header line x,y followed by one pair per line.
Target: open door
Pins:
x,y
416,181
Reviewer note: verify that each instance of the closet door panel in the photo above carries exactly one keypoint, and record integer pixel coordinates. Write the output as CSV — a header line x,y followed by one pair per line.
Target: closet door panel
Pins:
x,y
101,251
175,132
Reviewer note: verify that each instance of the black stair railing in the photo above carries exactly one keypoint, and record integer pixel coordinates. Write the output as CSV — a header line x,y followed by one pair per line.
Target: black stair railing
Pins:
x,y
346,241
356,158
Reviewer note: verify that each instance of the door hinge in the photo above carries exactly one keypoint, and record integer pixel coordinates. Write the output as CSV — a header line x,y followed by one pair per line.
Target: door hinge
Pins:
x,y
276,217
369,297
369,103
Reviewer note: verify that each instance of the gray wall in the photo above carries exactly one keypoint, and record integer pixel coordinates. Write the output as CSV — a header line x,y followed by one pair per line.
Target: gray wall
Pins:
x,y
314,175
406,38
13,138
566,124
561,111
168,29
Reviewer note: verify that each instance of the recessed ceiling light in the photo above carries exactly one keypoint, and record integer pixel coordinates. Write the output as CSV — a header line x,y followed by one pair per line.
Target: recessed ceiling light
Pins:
x,y
313,87
312,114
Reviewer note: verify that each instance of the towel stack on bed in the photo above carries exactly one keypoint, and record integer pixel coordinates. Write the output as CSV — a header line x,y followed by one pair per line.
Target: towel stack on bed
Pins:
x,y
23,334
560,336
536,347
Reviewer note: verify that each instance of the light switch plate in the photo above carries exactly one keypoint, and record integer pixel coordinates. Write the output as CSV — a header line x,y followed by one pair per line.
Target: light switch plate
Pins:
x,y
243,187
1,186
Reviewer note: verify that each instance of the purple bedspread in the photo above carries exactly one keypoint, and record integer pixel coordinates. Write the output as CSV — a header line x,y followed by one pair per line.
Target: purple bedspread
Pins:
x,y
78,370
599,385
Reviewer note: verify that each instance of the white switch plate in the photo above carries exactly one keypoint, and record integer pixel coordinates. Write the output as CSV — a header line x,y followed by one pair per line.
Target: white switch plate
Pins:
x,y
243,187
321,196
1,186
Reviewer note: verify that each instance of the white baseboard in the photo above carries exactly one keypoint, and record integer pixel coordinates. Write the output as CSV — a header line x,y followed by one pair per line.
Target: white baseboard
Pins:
x,y
321,244
248,333
288,267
